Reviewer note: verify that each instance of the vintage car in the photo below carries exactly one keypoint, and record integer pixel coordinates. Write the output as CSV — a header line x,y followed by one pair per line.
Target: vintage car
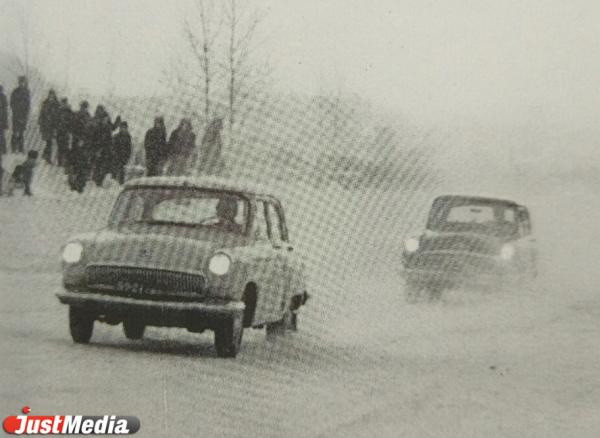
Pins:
x,y
185,252
470,240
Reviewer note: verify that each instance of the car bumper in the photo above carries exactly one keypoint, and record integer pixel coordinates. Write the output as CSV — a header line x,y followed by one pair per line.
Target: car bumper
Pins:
x,y
161,313
428,277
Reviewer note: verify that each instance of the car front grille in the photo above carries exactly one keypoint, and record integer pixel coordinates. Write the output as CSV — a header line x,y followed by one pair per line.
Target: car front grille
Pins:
x,y
452,262
459,243
145,282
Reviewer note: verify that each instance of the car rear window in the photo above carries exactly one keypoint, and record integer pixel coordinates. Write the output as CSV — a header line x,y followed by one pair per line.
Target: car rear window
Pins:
x,y
478,214
472,215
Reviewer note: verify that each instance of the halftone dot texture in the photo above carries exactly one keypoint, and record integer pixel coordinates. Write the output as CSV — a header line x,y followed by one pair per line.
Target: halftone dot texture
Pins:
x,y
353,187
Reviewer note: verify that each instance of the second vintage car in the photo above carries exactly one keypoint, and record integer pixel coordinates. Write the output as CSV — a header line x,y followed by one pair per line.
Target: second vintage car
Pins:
x,y
186,252
470,240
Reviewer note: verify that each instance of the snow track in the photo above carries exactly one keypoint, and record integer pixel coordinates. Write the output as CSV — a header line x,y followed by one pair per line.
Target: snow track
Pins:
x,y
508,364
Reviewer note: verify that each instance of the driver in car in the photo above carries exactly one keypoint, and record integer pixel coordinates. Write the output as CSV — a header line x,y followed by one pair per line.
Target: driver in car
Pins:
x,y
227,210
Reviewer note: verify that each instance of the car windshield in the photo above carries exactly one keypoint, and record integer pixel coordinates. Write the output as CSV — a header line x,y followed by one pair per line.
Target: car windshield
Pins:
x,y
466,215
181,207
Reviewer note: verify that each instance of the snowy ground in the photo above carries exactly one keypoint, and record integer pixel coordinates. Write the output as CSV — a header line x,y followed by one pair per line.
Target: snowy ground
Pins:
x,y
477,364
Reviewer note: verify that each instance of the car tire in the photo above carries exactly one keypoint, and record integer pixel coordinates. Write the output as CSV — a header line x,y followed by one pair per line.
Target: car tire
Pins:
x,y
133,329
228,337
293,322
250,299
278,328
81,325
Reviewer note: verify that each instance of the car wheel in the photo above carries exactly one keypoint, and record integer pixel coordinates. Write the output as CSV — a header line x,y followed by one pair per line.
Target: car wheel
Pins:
x,y
249,299
278,328
133,329
81,325
228,337
293,322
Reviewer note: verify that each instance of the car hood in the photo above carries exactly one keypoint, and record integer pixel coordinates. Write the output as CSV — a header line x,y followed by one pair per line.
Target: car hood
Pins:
x,y
160,247
461,242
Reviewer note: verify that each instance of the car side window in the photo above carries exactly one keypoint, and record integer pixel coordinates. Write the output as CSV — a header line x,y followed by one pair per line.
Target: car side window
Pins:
x,y
524,222
276,228
261,224
509,215
136,208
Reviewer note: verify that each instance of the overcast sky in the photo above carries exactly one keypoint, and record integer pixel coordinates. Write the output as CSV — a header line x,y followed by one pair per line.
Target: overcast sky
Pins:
x,y
498,62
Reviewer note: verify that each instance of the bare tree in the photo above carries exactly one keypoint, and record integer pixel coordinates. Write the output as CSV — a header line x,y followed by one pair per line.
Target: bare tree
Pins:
x,y
25,44
202,38
241,24
20,44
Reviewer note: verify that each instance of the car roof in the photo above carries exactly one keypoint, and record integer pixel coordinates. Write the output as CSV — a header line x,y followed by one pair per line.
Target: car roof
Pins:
x,y
486,199
245,187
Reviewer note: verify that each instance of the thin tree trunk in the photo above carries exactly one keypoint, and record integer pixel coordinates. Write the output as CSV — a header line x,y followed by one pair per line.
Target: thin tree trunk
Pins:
x,y
232,70
206,53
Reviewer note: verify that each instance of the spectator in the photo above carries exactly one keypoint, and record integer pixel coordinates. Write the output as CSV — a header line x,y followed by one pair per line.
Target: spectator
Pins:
x,y
1,176
48,121
155,144
3,120
182,147
20,102
80,153
63,131
80,125
212,145
101,129
121,152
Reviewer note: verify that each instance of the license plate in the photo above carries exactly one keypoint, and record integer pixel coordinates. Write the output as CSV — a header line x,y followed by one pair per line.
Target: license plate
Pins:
x,y
133,288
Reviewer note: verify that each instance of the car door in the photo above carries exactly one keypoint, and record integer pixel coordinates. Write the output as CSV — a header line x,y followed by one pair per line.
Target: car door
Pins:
x,y
282,268
264,264
527,241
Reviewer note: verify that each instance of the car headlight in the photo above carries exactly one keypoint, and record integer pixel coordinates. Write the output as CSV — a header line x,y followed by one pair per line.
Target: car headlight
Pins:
x,y
507,252
72,252
219,264
411,245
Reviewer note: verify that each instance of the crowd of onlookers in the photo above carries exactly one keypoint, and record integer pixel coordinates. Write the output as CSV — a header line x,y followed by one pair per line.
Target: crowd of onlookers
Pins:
x,y
90,147
85,145
20,103
82,144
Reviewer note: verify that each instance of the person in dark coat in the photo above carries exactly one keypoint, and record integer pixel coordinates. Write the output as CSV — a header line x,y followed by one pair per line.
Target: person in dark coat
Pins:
x,y
80,125
121,152
182,149
20,102
211,150
3,120
101,143
1,176
63,131
80,154
155,143
48,121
